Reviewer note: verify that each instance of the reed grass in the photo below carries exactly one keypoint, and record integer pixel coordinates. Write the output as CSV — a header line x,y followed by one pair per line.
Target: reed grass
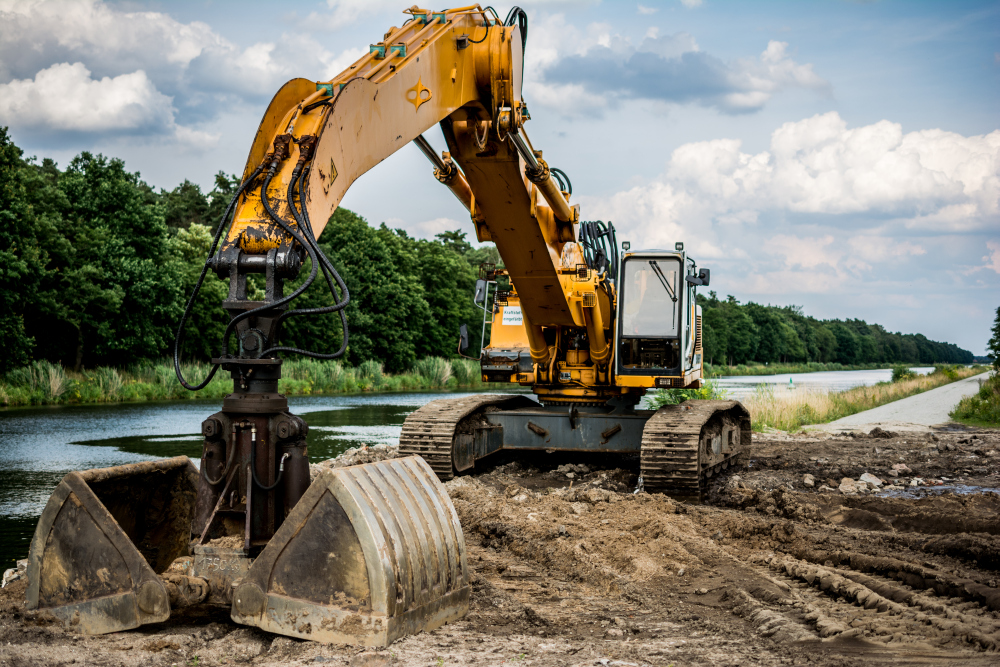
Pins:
x,y
791,410
42,383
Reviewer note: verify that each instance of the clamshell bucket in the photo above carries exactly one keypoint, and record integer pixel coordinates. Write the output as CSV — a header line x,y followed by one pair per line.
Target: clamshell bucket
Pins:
x,y
369,554
103,538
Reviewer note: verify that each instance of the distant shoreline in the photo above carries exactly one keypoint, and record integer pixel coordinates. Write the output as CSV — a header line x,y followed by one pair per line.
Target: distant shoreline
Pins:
x,y
712,371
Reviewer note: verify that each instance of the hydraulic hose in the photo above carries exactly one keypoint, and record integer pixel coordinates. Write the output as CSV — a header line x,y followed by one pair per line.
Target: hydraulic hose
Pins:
x,y
600,246
318,261
295,235
329,273
253,464
201,278
563,179
225,471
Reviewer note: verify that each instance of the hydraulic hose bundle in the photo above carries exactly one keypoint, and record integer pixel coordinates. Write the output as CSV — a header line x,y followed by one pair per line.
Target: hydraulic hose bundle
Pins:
x,y
305,240
600,247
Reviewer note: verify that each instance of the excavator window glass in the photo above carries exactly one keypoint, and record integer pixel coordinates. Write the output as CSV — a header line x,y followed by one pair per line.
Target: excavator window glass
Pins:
x,y
652,294
651,297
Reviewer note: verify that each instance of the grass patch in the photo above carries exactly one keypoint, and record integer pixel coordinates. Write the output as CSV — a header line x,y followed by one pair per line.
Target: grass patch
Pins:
x,y
790,412
42,383
983,408
709,390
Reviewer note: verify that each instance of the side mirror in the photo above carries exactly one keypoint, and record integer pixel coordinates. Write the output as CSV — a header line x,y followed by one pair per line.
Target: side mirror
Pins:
x,y
463,339
701,279
480,297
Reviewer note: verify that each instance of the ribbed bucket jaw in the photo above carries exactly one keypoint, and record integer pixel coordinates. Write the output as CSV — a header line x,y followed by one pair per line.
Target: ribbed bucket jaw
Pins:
x,y
103,537
369,554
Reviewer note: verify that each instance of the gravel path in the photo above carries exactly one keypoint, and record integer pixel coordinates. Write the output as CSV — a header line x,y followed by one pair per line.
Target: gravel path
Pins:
x,y
916,413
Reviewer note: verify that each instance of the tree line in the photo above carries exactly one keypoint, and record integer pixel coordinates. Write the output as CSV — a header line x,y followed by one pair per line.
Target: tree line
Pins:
x,y
738,333
96,267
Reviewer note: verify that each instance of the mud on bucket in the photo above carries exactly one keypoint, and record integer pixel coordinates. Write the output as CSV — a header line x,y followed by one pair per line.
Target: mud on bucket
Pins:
x,y
104,536
369,554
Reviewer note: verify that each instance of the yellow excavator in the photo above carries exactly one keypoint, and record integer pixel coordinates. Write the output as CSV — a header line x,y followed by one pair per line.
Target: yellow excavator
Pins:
x,y
366,554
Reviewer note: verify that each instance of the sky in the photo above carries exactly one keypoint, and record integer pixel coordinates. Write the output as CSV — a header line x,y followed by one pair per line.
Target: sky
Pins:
x,y
839,156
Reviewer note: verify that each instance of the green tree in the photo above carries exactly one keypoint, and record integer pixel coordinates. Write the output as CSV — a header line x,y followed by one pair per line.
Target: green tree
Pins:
x,y
993,347
185,205
744,336
449,284
387,311
109,294
715,329
219,197
187,249
21,259
847,344
771,334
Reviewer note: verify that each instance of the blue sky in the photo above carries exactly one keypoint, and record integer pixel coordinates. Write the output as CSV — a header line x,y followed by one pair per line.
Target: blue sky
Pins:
x,y
842,156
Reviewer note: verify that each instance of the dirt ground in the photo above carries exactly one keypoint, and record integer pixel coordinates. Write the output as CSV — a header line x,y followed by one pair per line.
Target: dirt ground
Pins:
x,y
570,567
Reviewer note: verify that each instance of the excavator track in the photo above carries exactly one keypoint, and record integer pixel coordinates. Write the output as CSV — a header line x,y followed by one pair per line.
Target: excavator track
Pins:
x,y
677,455
430,431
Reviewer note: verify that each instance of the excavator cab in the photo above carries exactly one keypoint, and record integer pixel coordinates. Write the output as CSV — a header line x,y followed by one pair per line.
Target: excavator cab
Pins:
x,y
658,337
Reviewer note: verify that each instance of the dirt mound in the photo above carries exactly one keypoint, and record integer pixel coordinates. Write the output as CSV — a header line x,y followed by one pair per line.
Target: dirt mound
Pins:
x,y
570,566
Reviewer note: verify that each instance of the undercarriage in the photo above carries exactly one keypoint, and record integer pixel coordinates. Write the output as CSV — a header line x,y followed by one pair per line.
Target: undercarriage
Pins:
x,y
680,446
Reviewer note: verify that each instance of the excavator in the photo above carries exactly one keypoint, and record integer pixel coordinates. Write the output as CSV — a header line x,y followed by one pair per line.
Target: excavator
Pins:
x,y
366,554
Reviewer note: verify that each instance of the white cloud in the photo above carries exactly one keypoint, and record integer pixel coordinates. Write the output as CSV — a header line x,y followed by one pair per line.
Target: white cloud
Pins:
x,y
823,209
646,11
690,4
872,248
65,98
346,12
669,68
427,229
143,58
992,259
819,165
34,32
807,253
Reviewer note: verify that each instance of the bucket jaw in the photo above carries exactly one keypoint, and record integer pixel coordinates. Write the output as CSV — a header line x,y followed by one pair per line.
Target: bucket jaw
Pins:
x,y
102,540
369,554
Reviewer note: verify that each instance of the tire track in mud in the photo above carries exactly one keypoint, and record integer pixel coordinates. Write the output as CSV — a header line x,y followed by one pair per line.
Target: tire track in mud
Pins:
x,y
842,584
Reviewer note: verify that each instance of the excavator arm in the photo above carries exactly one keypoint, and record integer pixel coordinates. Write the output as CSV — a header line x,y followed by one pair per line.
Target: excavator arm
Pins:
x,y
462,69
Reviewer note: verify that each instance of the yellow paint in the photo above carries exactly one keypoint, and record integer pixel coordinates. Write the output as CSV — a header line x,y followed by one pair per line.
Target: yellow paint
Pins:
x,y
418,95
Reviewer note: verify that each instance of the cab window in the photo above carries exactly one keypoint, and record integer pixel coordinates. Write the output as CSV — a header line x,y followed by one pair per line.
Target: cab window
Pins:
x,y
651,298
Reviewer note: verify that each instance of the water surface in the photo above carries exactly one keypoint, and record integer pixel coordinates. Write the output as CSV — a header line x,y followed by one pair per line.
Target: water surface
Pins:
x,y
740,386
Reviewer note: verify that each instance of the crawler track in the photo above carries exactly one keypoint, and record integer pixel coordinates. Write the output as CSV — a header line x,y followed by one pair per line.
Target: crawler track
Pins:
x,y
430,431
674,459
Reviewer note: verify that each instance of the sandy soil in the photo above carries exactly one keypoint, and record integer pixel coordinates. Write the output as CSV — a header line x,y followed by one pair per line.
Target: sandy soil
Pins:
x,y
582,571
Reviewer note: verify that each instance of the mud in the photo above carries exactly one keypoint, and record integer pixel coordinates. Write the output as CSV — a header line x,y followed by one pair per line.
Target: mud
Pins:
x,y
570,567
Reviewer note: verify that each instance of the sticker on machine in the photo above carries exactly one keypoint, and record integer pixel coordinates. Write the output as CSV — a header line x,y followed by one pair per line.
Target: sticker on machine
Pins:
x,y
512,316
